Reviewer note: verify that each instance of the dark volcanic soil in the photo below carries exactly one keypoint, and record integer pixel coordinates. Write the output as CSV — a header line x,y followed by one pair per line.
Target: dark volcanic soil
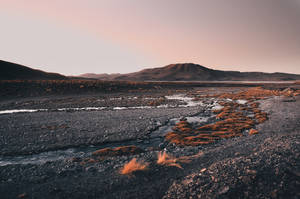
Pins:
x,y
262,166
265,165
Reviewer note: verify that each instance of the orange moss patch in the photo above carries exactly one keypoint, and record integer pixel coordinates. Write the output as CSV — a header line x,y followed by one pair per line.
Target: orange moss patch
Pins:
x,y
261,117
297,93
118,151
133,166
185,130
197,143
222,115
254,105
174,137
182,124
183,127
217,133
217,111
232,126
233,121
251,94
253,131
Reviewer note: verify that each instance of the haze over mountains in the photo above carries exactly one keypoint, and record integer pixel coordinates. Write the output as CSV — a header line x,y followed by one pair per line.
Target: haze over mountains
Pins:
x,y
193,72
12,71
172,72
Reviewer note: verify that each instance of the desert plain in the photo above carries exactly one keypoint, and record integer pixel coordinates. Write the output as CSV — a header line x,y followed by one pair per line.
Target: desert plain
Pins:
x,y
94,139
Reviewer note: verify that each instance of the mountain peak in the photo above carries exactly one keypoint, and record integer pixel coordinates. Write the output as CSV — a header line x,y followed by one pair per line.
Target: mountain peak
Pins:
x,y
196,72
186,66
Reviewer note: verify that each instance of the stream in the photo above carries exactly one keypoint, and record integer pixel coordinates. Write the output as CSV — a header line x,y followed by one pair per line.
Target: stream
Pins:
x,y
156,138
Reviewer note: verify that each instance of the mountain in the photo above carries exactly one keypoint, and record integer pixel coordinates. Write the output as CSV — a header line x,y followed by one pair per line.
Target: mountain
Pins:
x,y
103,76
12,71
194,72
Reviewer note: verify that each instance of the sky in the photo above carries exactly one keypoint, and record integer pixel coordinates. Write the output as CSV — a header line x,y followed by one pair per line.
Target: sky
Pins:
x,y
73,37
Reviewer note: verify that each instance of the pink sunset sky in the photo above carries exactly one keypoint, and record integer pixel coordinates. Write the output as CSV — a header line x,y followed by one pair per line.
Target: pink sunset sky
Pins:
x,y
119,36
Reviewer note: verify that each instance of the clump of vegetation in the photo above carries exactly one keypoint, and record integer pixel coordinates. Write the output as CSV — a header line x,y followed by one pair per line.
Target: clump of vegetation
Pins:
x,y
253,131
233,120
133,166
232,123
118,151
167,160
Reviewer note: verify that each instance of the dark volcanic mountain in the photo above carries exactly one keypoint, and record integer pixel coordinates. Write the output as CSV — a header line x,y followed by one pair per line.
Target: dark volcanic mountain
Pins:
x,y
11,71
195,72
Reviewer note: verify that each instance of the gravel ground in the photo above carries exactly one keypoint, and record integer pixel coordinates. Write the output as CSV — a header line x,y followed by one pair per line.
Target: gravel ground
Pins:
x,y
266,165
26,133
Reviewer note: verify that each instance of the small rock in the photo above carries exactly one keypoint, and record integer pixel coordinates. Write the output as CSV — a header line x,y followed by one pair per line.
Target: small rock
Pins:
x,y
182,119
252,172
274,194
246,179
161,145
277,171
146,141
202,170
91,169
22,195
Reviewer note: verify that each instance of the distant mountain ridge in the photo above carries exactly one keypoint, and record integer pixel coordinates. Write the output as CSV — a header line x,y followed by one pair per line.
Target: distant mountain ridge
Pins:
x,y
103,76
12,71
193,72
172,72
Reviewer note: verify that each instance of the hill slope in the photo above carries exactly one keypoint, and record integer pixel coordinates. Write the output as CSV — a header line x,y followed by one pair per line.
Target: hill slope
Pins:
x,y
12,71
195,72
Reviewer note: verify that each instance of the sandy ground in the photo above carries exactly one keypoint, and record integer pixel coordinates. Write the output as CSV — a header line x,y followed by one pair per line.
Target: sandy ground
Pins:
x,y
266,165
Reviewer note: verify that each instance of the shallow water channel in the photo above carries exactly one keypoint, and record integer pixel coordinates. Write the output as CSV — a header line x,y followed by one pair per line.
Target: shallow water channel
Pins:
x,y
155,140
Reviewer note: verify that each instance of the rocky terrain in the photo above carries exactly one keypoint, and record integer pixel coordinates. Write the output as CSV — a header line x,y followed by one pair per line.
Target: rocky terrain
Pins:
x,y
197,142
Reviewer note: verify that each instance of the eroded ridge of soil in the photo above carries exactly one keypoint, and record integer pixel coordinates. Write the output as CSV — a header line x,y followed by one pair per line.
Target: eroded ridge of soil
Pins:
x,y
192,143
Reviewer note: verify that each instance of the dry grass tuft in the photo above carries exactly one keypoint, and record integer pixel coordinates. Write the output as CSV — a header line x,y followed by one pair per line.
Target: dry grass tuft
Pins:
x,y
253,131
233,118
167,160
118,151
133,166
217,111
